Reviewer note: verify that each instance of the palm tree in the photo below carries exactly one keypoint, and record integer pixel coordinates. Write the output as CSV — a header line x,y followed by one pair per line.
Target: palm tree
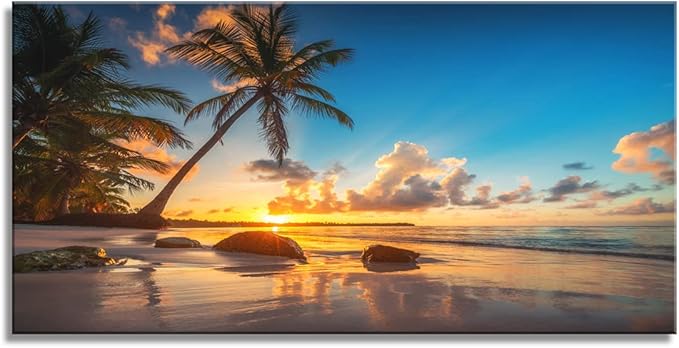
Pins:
x,y
256,50
61,73
76,164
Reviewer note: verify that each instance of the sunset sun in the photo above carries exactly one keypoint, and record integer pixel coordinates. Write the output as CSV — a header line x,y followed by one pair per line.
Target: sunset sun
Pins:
x,y
276,219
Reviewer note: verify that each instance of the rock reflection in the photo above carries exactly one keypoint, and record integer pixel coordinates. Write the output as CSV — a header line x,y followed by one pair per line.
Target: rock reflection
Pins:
x,y
384,267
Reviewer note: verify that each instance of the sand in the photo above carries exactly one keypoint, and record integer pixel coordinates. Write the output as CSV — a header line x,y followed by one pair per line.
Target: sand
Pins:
x,y
201,290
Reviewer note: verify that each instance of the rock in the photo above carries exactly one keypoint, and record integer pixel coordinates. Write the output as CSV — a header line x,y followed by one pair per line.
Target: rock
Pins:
x,y
177,242
384,253
71,257
264,243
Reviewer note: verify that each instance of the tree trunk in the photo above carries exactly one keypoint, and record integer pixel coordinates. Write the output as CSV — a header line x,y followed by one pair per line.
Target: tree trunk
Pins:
x,y
20,135
63,205
157,205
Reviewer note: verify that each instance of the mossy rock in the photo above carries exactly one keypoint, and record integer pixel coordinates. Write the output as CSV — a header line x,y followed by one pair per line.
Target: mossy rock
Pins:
x,y
67,258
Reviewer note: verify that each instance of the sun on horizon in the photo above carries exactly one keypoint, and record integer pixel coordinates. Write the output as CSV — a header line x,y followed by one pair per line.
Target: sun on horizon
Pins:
x,y
276,219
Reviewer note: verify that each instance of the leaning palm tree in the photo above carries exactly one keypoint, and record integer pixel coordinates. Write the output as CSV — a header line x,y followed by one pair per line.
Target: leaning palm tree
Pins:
x,y
256,51
61,73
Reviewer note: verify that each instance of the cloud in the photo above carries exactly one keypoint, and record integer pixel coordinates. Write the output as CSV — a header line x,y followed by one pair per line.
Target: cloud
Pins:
x,y
630,189
455,184
269,170
149,150
567,186
606,195
117,24
212,211
300,186
228,210
211,16
165,10
163,34
181,213
152,46
299,197
523,194
635,152
408,179
413,194
583,205
219,87
195,199
577,166
150,50
643,206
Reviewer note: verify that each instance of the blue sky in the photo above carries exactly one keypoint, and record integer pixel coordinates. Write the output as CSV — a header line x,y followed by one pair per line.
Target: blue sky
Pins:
x,y
517,90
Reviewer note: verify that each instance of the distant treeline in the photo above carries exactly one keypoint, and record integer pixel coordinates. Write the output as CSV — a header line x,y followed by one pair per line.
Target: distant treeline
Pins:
x,y
206,223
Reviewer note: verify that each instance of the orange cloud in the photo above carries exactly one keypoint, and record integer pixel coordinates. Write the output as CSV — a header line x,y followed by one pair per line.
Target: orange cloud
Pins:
x,y
408,180
152,47
165,10
635,152
149,150
211,16
150,50
299,197
300,186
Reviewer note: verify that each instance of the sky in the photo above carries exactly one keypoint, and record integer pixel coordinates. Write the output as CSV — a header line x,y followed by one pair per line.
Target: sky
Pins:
x,y
464,115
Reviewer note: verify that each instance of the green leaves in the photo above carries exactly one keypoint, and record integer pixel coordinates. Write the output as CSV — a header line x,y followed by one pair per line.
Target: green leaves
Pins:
x,y
313,107
257,45
61,71
71,108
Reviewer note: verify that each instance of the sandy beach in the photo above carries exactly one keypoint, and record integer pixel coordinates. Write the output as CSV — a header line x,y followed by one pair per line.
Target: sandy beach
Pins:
x,y
453,289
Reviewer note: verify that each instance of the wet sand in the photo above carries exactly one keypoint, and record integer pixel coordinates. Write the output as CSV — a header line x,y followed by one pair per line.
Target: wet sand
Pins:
x,y
456,289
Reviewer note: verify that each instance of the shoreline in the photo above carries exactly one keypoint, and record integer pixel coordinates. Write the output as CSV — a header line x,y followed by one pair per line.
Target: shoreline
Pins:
x,y
453,289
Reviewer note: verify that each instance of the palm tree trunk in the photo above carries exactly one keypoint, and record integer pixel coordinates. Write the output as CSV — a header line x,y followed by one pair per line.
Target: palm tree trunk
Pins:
x,y
157,205
20,135
64,205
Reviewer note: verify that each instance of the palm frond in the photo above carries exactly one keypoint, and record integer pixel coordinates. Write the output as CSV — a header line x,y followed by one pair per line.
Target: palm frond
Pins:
x,y
313,107
134,127
272,110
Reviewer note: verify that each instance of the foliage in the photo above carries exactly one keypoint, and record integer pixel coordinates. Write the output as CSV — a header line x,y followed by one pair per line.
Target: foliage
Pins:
x,y
90,171
61,73
256,51
72,109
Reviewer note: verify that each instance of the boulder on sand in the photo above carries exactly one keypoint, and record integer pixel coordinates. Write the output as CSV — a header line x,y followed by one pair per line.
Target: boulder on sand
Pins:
x,y
177,242
264,243
70,257
384,253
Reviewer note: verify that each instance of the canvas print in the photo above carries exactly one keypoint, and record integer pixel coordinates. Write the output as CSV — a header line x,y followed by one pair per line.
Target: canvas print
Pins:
x,y
343,168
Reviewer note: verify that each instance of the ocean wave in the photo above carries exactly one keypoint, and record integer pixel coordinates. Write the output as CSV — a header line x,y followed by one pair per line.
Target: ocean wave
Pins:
x,y
551,249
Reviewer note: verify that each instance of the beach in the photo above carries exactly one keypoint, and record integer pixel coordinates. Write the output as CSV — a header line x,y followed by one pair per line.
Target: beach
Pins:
x,y
466,280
